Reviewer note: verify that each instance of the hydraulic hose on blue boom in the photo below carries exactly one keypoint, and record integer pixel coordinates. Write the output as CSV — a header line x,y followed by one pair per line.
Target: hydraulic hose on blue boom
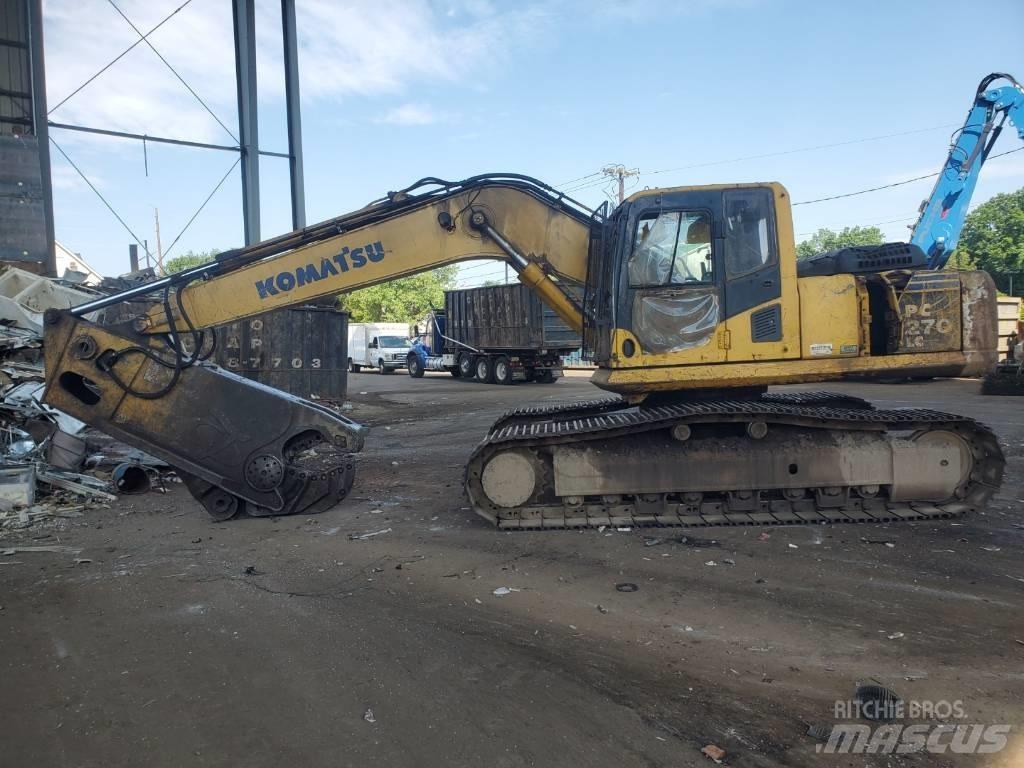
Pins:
x,y
938,228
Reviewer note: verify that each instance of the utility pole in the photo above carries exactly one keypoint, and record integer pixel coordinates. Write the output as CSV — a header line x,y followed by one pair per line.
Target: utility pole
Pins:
x,y
621,173
159,248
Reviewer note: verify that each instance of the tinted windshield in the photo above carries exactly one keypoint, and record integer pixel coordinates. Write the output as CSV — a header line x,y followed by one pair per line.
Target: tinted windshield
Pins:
x,y
392,342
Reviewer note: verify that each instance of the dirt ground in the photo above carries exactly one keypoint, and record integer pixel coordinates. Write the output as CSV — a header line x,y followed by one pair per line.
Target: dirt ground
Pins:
x,y
280,642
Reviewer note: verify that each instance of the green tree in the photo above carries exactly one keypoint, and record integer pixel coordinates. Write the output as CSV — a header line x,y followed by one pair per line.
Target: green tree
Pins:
x,y
993,239
189,259
826,240
403,300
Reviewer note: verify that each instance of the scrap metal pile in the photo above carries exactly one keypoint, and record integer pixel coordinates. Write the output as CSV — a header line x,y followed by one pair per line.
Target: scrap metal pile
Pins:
x,y
51,464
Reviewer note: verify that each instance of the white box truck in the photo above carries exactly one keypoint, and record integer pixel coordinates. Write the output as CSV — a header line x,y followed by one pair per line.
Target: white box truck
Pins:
x,y
383,346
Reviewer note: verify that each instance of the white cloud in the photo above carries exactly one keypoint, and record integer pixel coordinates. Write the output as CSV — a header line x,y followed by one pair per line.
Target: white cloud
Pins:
x,y
1004,168
139,93
995,168
63,176
356,48
411,114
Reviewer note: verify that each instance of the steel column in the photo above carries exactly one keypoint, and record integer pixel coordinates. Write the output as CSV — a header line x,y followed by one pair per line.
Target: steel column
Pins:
x,y
248,133
39,126
293,111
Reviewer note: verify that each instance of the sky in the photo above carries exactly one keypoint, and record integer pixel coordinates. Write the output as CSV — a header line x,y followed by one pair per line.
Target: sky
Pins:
x,y
687,92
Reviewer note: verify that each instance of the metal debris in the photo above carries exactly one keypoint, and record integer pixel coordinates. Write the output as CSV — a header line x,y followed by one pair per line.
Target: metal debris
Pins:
x,y
18,549
83,485
359,536
42,449
877,702
819,732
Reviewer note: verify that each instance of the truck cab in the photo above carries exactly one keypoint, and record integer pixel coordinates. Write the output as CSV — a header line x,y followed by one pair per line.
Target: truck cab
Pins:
x,y
384,347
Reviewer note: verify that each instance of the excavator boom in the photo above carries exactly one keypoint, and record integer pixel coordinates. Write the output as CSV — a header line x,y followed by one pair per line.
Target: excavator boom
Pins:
x,y
241,446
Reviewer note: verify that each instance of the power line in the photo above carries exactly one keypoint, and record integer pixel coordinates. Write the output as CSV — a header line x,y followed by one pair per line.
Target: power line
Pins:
x,y
804,149
101,197
488,265
780,153
621,173
200,208
174,71
894,184
119,57
908,217
588,184
573,181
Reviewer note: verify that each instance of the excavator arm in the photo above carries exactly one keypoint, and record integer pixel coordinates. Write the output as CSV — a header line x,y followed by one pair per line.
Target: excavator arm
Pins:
x,y
938,227
242,446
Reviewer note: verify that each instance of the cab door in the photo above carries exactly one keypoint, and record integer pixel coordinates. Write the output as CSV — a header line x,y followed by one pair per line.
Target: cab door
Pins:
x,y
675,292
759,304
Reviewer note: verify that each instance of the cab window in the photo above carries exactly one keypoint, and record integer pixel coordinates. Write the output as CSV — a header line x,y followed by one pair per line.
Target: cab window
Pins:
x,y
749,230
671,248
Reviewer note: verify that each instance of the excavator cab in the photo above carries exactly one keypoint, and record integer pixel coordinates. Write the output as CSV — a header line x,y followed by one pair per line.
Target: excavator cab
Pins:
x,y
698,275
699,288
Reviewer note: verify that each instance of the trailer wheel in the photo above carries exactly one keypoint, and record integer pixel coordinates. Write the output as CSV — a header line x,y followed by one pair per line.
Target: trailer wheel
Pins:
x,y
415,368
465,365
484,370
352,367
502,370
545,377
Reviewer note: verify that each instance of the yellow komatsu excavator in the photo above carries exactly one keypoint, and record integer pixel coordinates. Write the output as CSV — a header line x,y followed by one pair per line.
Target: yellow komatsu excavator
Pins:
x,y
691,302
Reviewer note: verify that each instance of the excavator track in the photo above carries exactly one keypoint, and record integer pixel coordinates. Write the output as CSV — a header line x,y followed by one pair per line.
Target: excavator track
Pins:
x,y
778,459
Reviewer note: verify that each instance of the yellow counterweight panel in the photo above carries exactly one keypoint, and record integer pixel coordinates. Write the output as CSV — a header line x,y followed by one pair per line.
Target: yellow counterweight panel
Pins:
x,y
830,320
411,242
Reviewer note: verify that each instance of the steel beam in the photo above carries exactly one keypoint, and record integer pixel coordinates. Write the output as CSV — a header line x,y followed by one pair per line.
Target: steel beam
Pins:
x,y
140,137
294,114
34,17
248,133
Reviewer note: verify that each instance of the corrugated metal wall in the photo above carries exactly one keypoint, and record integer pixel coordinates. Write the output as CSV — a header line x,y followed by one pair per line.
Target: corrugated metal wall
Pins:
x,y
303,351
505,317
22,218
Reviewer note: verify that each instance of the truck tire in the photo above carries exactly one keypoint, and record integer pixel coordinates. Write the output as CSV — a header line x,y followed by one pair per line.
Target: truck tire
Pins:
x,y
352,367
502,370
545,377
455,372
415,367
483,369
465,363
383,370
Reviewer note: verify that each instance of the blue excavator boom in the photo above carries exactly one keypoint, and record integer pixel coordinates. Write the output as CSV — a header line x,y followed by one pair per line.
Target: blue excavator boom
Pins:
x,y
937,230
